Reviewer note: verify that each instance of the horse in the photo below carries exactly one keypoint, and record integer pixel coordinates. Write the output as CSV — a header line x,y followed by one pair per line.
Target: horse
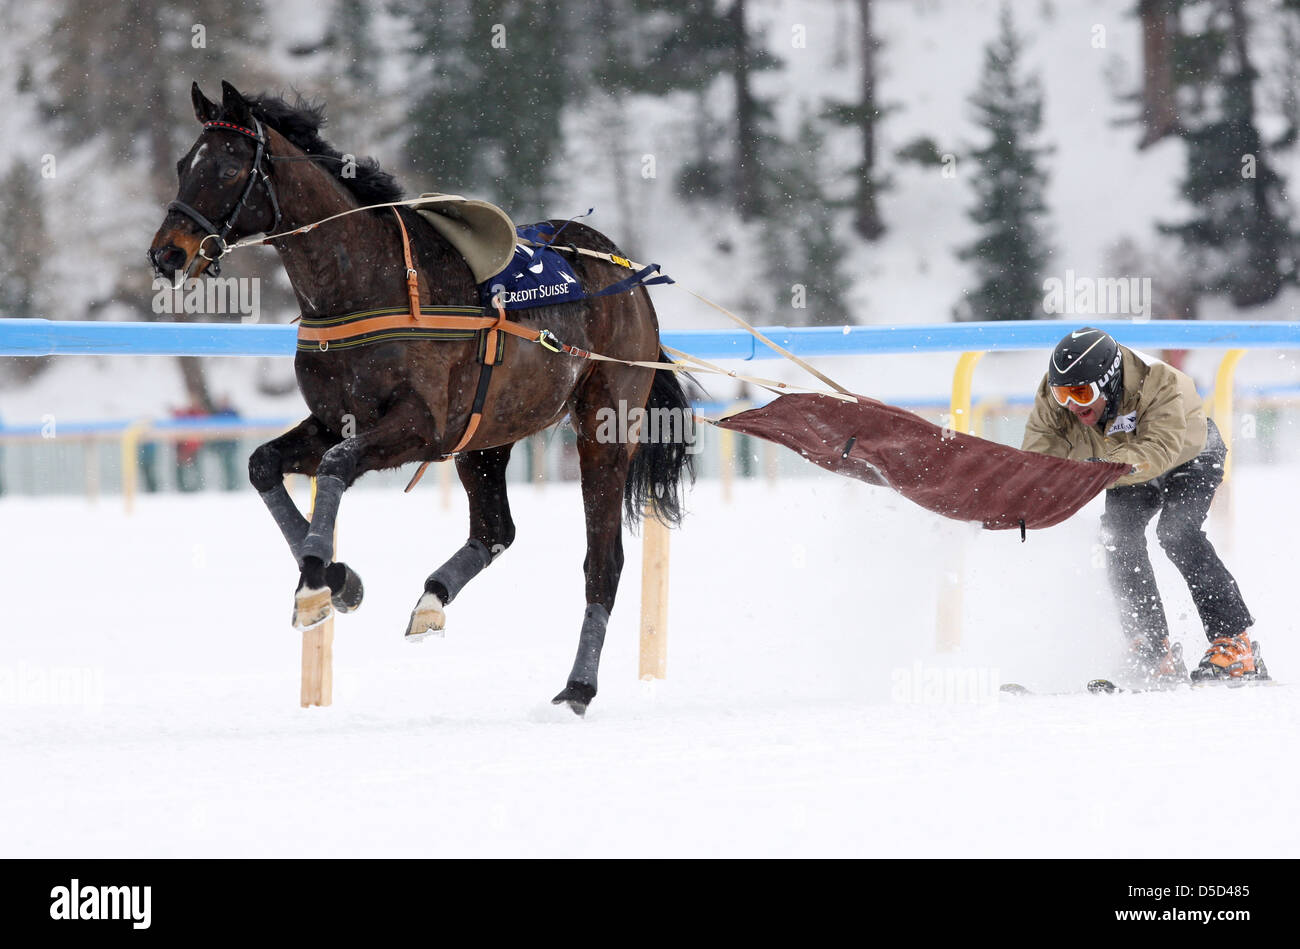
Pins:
x,y
259,166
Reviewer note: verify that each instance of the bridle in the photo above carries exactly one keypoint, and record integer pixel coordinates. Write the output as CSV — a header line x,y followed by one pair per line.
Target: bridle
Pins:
x,y
256,172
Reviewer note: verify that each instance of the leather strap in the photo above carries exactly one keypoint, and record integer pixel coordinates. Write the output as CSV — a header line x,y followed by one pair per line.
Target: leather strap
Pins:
x,y
412,278
500,324
429,317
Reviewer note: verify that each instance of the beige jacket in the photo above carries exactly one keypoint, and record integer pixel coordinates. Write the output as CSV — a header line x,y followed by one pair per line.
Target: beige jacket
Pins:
x,y
1159,426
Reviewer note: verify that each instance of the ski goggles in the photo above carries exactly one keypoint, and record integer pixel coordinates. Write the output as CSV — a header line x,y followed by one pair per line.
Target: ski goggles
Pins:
x,y
1081,396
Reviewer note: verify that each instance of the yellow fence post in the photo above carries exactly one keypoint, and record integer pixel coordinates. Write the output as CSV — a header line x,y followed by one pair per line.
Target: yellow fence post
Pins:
x,y
948,619
1222,409
961,387
1221,412
131,463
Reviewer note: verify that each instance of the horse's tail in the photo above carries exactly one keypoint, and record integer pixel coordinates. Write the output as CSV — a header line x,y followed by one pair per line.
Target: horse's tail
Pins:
x,y
666,450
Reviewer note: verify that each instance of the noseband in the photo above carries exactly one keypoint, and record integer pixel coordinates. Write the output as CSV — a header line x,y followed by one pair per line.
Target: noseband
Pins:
x,y
256,173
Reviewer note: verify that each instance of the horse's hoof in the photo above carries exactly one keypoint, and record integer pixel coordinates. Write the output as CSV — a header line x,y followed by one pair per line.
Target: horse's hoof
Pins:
x,y
427,619
345,586
577,695
311,607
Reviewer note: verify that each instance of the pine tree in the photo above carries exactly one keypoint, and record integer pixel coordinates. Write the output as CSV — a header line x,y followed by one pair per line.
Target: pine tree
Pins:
x,y
24,247
863,116
1238,232
351,78
803,255
120,83
688,45
1159,29
123,72
1011,252
486,114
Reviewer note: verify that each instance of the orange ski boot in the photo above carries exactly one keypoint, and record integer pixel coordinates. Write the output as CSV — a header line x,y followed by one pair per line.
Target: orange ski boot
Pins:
x,y
1229,657
1157,665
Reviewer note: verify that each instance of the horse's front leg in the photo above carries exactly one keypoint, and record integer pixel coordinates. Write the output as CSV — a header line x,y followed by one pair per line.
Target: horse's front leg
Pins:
x,y
299,451
491,531
384,444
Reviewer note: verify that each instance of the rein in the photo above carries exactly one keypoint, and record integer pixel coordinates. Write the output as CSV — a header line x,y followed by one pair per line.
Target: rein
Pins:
x,y
451,319
633,265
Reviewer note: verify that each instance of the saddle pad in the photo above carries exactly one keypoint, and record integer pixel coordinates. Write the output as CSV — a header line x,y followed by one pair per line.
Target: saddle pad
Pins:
x,y
536,276
482,233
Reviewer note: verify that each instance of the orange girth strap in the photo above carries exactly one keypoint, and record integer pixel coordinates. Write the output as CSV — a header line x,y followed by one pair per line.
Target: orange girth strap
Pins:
x,y
480,395
435,322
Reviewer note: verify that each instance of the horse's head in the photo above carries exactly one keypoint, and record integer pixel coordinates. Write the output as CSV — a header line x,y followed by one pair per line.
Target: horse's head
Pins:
x,y
225,193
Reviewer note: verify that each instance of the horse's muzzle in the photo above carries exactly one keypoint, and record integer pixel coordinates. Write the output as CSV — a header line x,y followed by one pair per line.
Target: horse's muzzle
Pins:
x,y
167,260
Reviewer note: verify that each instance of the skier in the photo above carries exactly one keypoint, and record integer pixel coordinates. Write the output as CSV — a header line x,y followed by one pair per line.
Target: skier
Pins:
x,y
1103,402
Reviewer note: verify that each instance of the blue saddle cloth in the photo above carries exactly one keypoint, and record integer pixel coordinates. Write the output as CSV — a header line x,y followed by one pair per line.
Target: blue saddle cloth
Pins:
x,y
537,276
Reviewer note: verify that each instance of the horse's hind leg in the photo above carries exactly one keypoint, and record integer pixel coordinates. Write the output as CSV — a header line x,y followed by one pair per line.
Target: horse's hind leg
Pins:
x,y
299,451
603,468
491,531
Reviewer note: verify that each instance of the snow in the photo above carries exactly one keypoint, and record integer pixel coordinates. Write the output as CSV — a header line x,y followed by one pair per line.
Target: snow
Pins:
x,y
807,711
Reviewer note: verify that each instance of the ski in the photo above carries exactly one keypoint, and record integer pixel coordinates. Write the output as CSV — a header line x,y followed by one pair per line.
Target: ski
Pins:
x,y
1093,687
1108,687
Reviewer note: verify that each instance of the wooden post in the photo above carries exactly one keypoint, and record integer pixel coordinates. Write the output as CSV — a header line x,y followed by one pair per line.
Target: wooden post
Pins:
x,y
318,651
318,664
654,600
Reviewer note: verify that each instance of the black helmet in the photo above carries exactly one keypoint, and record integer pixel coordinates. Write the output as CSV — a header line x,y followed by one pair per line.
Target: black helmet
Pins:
x,y
1086,356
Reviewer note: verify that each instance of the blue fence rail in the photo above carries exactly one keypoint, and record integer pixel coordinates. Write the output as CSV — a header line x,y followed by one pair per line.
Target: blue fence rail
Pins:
x,y
37,337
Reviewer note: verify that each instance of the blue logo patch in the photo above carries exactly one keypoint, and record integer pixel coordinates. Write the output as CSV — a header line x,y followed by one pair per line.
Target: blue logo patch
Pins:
x,y
537,276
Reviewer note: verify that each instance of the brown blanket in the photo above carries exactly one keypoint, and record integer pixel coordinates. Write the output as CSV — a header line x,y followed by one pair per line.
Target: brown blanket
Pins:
x,y
959,476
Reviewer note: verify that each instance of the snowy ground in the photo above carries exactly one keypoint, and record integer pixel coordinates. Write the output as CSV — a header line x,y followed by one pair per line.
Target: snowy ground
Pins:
x,y
150,707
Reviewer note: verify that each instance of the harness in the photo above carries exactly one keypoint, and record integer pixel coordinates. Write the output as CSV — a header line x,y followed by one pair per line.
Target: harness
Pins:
x,y
447,322
321,334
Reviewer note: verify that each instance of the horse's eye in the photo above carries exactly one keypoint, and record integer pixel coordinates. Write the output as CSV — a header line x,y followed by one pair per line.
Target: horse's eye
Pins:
x,y
230,171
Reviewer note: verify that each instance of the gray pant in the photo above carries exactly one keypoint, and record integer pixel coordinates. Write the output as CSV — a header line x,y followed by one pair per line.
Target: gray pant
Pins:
x,y
1182,497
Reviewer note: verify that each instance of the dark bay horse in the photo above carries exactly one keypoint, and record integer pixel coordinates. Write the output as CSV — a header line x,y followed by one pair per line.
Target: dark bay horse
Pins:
x,y
259,166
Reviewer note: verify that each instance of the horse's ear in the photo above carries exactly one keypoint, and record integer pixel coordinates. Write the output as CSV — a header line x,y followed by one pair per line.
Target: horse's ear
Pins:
x,y
233,106
204,110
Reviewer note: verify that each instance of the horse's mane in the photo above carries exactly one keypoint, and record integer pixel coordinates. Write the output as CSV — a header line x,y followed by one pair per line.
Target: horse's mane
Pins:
x,y
300,123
